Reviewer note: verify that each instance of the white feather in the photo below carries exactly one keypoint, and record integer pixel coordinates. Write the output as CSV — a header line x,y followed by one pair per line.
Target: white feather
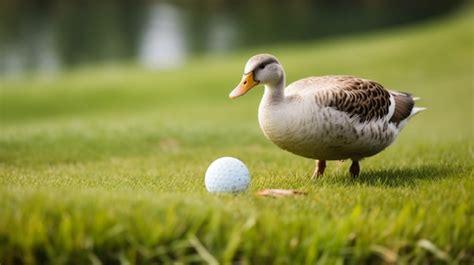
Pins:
x,y
415,111
391,108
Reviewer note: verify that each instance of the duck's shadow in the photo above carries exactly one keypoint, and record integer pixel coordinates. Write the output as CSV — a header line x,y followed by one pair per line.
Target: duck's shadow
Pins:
x,y
406,176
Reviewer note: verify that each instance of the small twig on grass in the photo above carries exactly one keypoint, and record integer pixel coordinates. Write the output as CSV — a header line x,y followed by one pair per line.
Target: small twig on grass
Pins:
x,y
278,193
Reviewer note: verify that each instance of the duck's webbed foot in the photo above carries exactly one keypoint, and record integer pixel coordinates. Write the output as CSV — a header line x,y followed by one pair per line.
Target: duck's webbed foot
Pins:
x,y
354,169
319,170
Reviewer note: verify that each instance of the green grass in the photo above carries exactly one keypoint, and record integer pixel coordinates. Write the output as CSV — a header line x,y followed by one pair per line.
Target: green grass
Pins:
x,y
106,165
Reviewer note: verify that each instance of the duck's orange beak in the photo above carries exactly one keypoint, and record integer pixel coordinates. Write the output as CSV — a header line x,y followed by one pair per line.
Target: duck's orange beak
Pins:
x,y
245,85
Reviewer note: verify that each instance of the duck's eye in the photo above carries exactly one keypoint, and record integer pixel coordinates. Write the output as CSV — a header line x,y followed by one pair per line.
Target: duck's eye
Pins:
x,y
262,66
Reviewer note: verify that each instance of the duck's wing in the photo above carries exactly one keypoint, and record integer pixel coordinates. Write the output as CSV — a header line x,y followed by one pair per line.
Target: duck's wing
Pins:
x,y
361,98
364,99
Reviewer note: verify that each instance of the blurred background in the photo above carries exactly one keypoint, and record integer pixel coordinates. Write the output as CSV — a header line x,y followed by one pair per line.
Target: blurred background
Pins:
x,y
45,37
112,110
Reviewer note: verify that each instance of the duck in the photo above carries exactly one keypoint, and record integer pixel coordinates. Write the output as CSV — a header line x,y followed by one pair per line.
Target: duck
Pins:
x,y
324,118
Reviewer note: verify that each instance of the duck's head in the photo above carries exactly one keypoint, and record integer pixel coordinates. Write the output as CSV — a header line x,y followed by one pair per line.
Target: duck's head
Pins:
x,y
260,69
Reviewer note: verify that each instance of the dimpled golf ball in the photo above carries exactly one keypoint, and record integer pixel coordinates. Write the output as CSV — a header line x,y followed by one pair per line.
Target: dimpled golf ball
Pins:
x,y
227,174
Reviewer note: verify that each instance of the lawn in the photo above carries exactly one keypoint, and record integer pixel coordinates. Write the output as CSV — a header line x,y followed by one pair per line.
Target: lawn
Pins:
x,y
105,164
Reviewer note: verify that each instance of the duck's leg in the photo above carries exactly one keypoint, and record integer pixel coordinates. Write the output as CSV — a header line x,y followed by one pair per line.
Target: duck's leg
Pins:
x,y
355,169
319,169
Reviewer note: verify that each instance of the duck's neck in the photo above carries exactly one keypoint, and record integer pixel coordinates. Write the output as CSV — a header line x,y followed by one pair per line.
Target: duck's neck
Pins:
x,y
275,93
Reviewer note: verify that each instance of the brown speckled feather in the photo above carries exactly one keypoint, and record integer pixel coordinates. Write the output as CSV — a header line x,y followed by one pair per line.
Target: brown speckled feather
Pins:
x,y
361,98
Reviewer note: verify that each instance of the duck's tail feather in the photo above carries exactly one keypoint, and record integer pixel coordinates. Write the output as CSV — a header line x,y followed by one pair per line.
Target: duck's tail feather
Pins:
x,y
416,110
404,108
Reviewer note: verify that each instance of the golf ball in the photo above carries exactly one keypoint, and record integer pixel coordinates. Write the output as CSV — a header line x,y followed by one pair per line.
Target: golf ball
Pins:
x,y
227,174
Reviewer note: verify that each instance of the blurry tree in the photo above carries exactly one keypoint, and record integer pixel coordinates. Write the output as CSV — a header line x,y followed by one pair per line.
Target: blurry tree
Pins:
x,y
85,31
